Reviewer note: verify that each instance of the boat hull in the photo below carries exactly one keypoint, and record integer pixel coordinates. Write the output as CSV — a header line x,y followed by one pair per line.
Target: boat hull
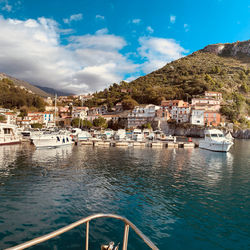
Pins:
x,y
217,147
52,142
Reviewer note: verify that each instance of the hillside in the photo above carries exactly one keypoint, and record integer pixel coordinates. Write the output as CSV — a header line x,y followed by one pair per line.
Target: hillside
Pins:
x,y
26,85
219,67
13,96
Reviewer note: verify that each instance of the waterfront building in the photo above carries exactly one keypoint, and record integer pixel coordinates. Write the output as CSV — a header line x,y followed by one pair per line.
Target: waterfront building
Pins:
x,y
181,112
10,117
212,118
141,115
197,116
40,117
162,114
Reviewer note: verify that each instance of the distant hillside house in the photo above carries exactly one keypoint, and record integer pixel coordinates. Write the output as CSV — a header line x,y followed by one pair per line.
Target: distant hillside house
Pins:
x,y
206,103
216,95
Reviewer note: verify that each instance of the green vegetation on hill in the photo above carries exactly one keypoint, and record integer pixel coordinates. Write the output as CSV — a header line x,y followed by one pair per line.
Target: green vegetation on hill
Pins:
x,y
186,78
12,96
27,85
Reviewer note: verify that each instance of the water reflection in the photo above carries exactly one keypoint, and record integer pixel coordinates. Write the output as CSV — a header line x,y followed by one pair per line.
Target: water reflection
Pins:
x,y
52,155
176,196
8,154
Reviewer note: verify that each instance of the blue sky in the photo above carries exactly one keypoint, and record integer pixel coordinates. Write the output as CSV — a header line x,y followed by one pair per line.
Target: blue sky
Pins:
x,y
84,46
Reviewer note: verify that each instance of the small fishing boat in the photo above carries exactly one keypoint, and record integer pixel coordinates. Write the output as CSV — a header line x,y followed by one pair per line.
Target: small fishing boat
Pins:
x,y
215,141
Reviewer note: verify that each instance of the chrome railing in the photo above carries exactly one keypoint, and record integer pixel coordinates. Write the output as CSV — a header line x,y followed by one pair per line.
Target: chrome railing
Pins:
x,y
87,220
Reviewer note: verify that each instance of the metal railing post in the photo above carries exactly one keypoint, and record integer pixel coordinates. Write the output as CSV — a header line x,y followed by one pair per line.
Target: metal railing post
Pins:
x,y
87,236
125,237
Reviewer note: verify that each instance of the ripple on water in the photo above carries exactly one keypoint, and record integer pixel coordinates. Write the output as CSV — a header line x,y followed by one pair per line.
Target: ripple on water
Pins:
x,y
181,199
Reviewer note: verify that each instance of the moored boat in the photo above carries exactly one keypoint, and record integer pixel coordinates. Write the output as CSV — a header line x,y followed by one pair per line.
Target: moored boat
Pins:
x,y
215,141
51,140
9,134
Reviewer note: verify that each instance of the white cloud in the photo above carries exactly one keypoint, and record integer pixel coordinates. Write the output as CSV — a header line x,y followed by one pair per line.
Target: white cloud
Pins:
x,y
172,19
31,50
159,51
99,17
75,17
150,29
136,21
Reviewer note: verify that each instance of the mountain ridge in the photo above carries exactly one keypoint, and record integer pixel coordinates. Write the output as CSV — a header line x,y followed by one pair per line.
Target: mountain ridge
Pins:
x,y
220,67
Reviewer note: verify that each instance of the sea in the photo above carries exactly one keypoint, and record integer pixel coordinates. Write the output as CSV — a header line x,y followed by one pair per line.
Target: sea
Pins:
x,y
179,198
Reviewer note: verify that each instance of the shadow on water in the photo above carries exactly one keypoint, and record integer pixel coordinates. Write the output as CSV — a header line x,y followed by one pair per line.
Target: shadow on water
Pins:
x,y
180,198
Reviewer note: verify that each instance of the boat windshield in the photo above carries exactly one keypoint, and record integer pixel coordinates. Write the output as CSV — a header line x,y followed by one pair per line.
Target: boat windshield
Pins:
x,y
217,135
214,135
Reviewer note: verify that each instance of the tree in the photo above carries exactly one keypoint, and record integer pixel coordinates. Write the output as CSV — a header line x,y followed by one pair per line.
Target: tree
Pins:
x,y
146,125
2,118
37,125
76,122
100,122
129,103
86,124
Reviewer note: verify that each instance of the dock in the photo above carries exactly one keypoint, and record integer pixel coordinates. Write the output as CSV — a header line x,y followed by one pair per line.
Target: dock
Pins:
x,y
138,144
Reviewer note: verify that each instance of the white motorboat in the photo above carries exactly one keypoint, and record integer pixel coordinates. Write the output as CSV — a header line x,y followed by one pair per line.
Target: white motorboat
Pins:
x,y
120,135
215,141
79,135
9,134
137,135
51,140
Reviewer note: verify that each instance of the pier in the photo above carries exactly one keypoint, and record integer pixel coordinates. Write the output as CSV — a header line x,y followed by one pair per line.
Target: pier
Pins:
x,y
138,144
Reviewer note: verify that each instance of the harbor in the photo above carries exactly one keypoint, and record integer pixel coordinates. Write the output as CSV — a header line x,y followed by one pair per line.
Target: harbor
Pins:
x,y
171,194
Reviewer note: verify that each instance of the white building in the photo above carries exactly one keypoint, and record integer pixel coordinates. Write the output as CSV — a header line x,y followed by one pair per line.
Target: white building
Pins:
x,y
216,95
141,115
197,117
180,114
48,118
81,114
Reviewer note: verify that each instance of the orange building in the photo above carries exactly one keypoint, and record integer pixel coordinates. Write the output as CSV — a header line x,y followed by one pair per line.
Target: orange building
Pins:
x,y
212,118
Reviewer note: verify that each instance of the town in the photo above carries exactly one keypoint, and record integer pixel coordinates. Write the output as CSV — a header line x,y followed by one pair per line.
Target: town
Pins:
x,y
202,111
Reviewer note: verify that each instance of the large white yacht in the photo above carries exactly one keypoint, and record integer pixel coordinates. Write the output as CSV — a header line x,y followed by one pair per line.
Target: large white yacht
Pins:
x,y
51,140
215,141
9,134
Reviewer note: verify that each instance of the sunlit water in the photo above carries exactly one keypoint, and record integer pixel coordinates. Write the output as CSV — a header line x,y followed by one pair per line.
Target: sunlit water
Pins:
x,y
179,198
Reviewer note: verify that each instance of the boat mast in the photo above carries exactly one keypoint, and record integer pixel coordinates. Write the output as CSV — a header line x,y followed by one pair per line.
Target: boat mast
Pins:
x,y
55,108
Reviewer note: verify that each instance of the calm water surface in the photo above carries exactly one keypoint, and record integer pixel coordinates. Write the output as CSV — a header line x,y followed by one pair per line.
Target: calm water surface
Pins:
x,y
179,198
